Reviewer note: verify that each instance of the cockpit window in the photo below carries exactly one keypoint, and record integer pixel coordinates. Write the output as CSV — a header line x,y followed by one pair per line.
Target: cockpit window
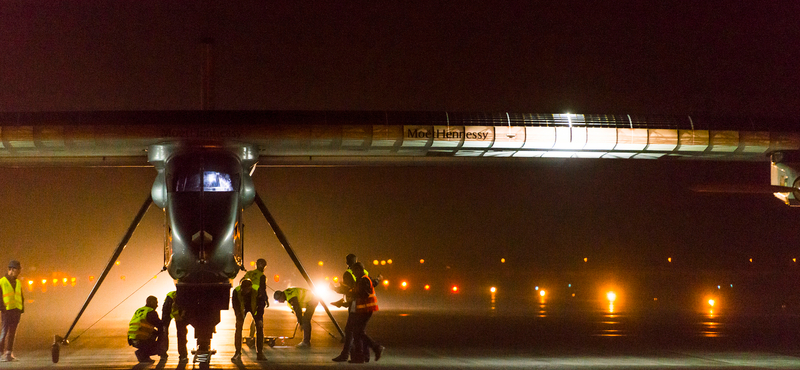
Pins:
x,y
210,181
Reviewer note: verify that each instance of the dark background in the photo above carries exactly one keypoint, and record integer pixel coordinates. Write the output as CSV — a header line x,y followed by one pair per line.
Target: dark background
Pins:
x,y
709,58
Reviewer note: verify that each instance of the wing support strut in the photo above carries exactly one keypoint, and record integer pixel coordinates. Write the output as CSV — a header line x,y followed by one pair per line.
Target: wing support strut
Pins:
x,y
124,242
288,248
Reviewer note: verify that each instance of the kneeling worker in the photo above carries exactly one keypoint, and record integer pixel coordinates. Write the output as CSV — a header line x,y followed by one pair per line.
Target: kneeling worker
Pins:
x,y
144,330
299,299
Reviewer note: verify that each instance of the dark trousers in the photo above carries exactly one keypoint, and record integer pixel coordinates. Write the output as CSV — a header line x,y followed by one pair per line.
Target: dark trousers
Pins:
x,y
182,329
237,337
145,347
8,330
356,341
361,341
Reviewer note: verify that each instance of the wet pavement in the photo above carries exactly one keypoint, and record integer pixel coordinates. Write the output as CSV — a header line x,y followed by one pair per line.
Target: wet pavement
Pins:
x,y
461,339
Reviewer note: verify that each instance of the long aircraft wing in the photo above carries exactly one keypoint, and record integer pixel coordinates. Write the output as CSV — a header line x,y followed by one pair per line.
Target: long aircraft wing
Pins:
x,y
363,138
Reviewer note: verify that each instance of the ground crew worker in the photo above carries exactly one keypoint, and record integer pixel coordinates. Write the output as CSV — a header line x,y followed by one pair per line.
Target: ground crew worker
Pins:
x,y
11,310
300,299
169,311
144,331
245,299
346,288
365,304
259,281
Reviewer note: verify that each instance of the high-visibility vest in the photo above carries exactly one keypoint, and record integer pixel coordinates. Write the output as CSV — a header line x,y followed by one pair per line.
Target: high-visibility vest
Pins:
x,y
253,299
255,277
12,296
370,303
139,328
176,312
300,293
350,271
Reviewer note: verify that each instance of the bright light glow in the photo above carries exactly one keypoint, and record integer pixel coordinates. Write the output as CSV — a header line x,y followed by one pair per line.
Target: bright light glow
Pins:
x,y
30,282
751,260
116,263
493,289
55,281
320,263
454,289
611,296
335,279
427,287
383,262
711,302
386,283
278,278
536,288
794,259
389,261
585,259
404,285
64,280
542,293
217,181
502,260
669,259
421,261
375,262
252,263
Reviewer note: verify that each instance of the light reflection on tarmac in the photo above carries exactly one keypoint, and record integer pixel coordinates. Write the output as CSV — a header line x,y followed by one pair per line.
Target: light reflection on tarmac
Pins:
x,y
482,337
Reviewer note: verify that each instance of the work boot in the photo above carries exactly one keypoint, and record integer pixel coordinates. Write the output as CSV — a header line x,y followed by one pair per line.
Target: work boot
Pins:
x,y
261,357
237,357
378,351
341,358
303,345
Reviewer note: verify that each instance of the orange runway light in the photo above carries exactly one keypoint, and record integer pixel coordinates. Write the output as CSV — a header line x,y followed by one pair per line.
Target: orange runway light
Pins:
x,y
389,261
404,285
386,283
383,262
421,261
375,262
454,289
278,278
427,287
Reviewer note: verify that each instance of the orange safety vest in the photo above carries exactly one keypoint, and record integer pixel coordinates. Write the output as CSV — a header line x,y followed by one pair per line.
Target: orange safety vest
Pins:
x,y
370,303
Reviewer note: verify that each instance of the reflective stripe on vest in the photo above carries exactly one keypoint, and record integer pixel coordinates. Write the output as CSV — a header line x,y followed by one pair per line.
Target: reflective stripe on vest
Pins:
x,y
12,296
350,271
253,300
140,328
369,304
254,276
176,312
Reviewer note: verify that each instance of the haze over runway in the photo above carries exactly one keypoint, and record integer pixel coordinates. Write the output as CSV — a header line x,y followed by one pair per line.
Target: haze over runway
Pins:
x,y
519,226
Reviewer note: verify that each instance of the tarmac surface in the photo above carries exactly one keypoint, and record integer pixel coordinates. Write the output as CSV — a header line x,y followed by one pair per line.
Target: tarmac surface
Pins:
x,y
481,338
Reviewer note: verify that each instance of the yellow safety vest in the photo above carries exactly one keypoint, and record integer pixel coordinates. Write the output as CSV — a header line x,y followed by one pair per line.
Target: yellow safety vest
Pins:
x,y
255,277
300,293
176,312
139,328
350,271
12,296
253,299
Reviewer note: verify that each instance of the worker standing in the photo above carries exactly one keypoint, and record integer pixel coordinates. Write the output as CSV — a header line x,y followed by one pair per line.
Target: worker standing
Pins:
x,y
346,288
245,299
259,280
144,331
171,311
300,299
11,310
365,304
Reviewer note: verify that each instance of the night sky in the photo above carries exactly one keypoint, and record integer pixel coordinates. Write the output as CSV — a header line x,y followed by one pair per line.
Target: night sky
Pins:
x,y
717,58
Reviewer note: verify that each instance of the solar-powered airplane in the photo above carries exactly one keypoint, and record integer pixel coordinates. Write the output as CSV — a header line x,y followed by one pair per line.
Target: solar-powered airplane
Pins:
x,y
204,161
